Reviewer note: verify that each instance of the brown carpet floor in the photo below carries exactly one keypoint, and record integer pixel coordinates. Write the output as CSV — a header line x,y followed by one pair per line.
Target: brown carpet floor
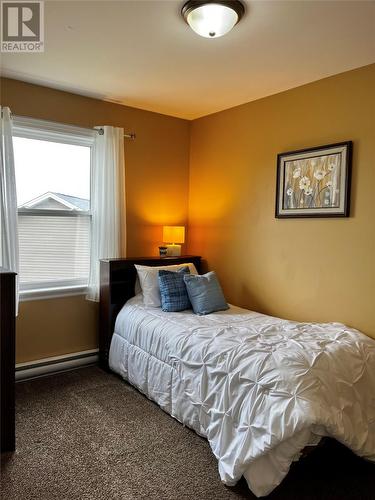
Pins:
x,y
86,434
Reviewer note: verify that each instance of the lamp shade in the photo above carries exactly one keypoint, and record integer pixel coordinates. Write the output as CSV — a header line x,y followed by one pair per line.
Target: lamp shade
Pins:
x,y
173,234
212,18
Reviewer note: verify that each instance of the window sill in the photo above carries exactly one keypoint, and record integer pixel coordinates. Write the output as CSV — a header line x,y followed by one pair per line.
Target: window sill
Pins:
x,y
52,292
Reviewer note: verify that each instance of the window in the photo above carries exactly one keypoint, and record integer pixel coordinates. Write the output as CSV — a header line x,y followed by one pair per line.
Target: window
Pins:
x,y
53,166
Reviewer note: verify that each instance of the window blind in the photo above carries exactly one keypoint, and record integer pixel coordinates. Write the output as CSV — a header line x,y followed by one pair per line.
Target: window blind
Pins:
x,y
54,248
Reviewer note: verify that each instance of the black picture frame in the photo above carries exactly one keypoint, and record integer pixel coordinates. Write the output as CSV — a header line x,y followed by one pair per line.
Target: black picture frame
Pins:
x,y
314,182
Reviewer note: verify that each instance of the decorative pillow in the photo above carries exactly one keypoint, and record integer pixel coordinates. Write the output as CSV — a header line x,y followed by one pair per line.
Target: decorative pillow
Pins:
x,y
205,293
148,279
174,296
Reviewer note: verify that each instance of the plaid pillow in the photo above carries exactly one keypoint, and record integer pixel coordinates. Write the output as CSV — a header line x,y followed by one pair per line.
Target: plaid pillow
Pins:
x,y
173,291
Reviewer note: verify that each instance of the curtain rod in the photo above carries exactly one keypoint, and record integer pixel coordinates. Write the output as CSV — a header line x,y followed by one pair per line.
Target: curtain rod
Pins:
x,y
99,130
128,136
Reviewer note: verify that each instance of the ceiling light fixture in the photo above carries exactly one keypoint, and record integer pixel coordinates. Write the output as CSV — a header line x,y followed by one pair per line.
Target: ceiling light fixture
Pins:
x,y
212,19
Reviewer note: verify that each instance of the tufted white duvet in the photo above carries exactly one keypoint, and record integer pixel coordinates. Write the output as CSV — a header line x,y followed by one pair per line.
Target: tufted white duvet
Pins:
x,y
258,388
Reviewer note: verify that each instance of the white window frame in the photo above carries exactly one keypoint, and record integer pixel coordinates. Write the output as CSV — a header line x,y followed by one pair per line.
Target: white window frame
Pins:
x,y
30,128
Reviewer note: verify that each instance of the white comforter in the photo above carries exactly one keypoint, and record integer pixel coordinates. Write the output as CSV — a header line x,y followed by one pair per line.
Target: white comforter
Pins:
x,y
260,387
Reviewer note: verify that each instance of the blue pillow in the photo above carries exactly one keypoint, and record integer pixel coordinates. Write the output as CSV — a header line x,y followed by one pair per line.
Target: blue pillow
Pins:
x,y
205,293
173,292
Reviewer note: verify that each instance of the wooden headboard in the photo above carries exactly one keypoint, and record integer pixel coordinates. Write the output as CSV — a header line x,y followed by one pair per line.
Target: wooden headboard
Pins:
x,y
117,280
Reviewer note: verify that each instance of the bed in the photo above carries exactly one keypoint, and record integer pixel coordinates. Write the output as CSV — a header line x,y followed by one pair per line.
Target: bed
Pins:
x,y
259,388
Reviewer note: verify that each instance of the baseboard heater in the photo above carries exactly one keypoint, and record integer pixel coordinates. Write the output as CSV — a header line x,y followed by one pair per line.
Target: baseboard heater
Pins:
x,y
48,366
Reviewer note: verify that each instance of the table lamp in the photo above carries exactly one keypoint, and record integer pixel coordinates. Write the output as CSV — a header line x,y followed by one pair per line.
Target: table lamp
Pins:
x,y
173,236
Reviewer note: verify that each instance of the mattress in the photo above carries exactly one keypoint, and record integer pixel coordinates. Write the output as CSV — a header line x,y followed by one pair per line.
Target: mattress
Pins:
x,y
258,388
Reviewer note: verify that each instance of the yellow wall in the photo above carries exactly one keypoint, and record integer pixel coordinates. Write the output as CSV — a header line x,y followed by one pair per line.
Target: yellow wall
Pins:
x,y
318,269
307,269
56,326
157,176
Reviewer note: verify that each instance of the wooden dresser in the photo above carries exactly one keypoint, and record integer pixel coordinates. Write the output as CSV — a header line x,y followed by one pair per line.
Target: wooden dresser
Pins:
x,y
7,360
117,280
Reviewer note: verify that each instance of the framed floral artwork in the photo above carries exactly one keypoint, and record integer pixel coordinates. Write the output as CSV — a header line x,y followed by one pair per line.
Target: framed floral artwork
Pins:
x,y
314,182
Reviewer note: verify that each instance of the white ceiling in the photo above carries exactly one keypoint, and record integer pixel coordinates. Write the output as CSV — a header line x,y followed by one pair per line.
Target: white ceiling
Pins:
x,y
141,53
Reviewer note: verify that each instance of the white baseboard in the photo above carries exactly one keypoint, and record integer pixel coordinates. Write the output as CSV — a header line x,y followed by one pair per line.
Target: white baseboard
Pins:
x,y
47,366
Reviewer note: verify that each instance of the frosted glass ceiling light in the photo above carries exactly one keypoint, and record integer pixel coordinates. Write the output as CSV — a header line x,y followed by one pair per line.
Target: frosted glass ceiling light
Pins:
x,y
212,19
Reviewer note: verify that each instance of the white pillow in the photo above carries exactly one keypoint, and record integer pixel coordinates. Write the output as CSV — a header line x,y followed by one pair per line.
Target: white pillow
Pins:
x,y
148,279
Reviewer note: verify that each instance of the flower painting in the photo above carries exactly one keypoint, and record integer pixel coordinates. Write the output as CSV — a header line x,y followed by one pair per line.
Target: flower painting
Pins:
x,y
314,182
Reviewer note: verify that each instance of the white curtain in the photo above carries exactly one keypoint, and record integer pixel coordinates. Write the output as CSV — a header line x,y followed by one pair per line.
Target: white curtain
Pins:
x,y
9,256
108,230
